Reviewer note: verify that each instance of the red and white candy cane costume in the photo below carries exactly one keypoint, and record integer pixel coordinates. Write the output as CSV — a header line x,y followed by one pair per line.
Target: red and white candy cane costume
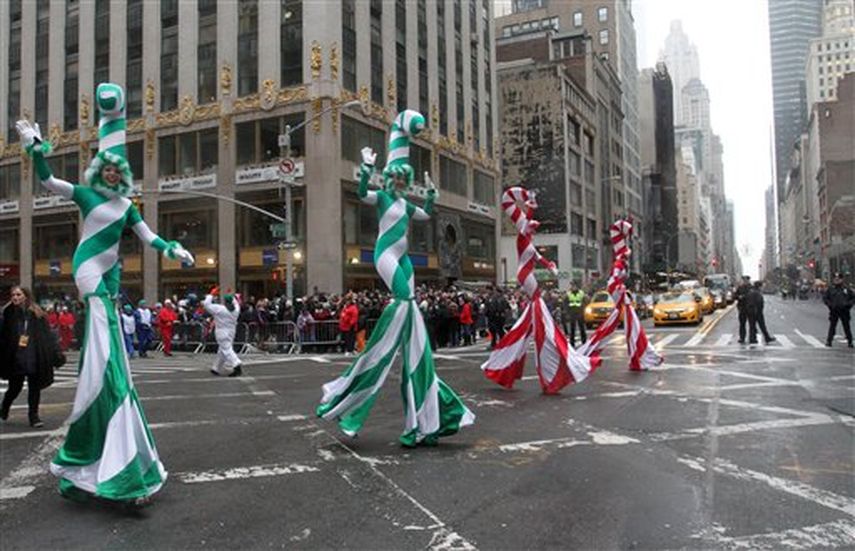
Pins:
x,y
641,353
558,365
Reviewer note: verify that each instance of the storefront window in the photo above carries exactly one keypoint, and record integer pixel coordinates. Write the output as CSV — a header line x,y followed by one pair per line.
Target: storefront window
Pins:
x,y
189,153
9,252
351,219
166,156
258,141
10,181
54,241
355,136
367,225
193,229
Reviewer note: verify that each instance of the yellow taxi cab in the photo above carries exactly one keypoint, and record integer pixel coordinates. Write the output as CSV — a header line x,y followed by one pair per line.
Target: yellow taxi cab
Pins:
x,y
678,307
707,300
600,308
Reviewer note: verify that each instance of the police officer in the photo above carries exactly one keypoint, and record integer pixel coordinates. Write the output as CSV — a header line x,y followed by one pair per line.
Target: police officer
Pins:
x,y
742,305
839,300
754,309
496,310
575,304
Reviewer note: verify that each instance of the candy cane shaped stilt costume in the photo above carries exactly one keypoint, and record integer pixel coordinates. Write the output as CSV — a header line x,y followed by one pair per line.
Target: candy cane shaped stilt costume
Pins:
x,y
109,451
558,365
431,408
642,355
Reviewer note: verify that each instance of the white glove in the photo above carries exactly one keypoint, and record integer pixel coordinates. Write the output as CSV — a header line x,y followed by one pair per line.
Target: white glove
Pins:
x,y
368,156
30,134
431,187
553,269
182,254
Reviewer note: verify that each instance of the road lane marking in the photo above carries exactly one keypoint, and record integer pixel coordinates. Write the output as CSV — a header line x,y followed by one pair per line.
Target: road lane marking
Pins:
x,y
724,340
239,473
665,341
695,340
15,493
785,341
810,339
830,535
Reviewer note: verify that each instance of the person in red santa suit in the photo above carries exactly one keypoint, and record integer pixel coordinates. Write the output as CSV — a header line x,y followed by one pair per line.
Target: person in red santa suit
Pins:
x,y
166,319
66,328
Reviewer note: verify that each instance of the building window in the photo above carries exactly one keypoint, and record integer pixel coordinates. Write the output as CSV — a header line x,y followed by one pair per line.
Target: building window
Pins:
x,y
42,78
135,159
458,68
575,195
480,240
590,202
348,44
258,141
518,6
195,229
441,68
483,189
452,176
421,161
133,62
291,42
356,135
422,56
54,241
206,53
188,154
247,47
577,19
13,107
376,17
168,55
10,181
602,14
401,54
577,224
102,41
69,93
421,237
604,36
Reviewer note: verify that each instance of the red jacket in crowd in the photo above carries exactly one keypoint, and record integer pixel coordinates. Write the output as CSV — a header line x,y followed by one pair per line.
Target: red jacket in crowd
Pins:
x,y
466,314
349,317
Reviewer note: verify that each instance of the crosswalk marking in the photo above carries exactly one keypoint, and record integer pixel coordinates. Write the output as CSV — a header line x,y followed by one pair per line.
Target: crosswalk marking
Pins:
x,y
810,339
696,339
724,340
785,341
666,340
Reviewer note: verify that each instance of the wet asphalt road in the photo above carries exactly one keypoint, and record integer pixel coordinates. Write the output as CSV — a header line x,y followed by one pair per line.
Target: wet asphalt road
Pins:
x,y
722,447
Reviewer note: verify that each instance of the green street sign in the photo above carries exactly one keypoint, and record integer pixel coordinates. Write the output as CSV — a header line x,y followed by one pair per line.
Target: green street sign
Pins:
x,y
278,230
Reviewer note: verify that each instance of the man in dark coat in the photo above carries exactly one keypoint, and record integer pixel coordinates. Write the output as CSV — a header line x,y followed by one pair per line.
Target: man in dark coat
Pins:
x,y
839,300
741,305
754,309
496,308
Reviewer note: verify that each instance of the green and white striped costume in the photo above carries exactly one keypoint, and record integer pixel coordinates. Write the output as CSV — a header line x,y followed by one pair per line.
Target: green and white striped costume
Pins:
x,y
109,450
431,408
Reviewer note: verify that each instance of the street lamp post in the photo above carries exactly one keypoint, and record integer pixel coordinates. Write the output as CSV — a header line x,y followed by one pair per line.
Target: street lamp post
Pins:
x,y
287,181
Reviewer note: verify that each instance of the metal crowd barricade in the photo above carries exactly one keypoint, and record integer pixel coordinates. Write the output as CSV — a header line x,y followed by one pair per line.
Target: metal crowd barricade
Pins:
x,y
274,337
320,336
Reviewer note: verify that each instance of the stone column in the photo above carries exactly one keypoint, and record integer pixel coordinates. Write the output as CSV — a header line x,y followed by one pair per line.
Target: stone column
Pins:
x,y
188,39
227,30
118,42
151,102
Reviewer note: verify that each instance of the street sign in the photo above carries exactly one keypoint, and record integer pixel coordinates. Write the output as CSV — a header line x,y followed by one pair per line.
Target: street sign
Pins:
x,y
278,230
269,257
286,245
286,166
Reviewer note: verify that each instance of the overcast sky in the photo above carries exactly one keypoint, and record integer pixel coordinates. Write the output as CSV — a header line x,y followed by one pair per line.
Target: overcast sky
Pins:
x,y
732,37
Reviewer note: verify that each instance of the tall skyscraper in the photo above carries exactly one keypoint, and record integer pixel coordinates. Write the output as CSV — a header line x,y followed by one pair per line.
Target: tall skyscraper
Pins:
x,y
681,58
831,55
792,24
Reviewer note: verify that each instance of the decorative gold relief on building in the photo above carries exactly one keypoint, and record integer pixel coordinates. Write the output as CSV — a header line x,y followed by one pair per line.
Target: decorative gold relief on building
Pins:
x,y
317,106
226,79
364,99
334,114
25,165
291,95
149,97
54,134
470,138
83,110
334,61
84,152
391,98
186,110
226,128
246,103
316,60
150,142
268,94
136,125
434,116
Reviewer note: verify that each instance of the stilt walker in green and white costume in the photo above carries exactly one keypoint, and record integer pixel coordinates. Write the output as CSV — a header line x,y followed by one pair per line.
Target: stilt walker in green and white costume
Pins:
x,y
109,451
431,408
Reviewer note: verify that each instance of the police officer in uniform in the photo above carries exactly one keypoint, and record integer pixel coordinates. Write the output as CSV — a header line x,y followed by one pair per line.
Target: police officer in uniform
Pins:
x,y
742,305
839,300
575,304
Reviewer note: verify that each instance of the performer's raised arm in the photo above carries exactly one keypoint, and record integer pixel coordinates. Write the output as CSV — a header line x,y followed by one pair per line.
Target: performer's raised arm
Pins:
x,y
37,148
366,170
423,213
170,249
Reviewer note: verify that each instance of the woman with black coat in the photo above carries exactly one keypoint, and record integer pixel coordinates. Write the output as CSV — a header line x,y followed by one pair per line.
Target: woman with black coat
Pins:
x,y
28,350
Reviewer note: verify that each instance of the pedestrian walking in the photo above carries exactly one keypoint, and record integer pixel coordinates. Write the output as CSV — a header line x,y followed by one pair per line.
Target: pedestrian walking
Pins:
x,y
839,300
166,319
129,327
575,310
741,296
225,320
143,325
28,350
756,319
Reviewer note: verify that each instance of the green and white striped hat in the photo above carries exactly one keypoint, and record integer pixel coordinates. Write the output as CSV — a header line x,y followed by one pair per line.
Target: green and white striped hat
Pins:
x,y
408,123
110,99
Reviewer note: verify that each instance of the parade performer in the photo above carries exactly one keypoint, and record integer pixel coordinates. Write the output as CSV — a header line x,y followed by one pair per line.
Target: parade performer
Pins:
x,y
109,451
642,355
431,408
225,324
558,365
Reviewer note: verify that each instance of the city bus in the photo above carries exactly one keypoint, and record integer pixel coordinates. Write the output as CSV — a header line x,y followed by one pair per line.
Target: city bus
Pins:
x,y
722,283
